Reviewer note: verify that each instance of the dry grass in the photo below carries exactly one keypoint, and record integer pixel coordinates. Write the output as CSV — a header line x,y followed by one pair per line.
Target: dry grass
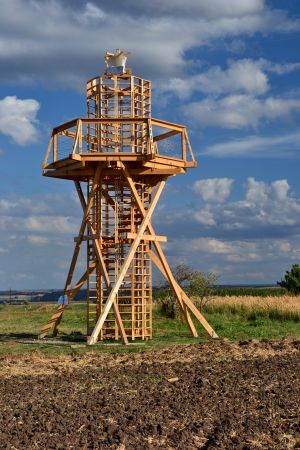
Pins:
x,y
274,307
284,303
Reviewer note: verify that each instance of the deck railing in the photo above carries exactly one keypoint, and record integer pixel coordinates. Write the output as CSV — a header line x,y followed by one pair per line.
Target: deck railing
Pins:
x,y
118,135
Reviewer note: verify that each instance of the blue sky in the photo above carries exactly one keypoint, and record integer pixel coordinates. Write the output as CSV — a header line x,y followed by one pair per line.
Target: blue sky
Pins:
x,y
228,70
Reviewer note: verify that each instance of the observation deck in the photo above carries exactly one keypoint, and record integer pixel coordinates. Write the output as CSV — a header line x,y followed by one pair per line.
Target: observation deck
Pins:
x,y
156,148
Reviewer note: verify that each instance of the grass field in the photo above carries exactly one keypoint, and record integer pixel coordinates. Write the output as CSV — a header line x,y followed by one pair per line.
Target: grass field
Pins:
x,y
232,318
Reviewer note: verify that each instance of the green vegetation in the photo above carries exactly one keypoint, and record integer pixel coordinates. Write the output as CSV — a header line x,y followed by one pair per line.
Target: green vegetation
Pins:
x,y
246,291
235,321
291,280
197,284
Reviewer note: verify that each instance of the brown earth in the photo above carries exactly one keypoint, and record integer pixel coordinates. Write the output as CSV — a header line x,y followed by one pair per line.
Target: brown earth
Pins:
x,y
220,395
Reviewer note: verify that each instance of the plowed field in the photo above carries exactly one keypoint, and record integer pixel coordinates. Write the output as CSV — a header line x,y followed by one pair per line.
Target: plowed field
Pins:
x,y
220,395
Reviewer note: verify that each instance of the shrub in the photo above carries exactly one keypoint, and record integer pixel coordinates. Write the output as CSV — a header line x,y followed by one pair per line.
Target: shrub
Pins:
x,y
291,280
200,285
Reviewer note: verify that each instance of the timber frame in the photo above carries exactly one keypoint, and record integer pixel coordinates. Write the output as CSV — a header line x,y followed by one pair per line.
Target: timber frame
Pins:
x,y
115,154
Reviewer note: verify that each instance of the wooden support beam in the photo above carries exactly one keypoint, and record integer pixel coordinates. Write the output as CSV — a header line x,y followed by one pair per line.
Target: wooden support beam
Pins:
x,y
103,268
148,237
165,135
82,228
160,253
56,317
50,145
185,298
111,298
180,294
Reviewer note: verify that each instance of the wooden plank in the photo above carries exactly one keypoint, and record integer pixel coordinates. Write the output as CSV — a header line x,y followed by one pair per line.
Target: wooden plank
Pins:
x,y
56,317
189,146
78,243
50,144
148,237
64,162
165,135
55,147
65,126
82,228
75,142
111,298
165,124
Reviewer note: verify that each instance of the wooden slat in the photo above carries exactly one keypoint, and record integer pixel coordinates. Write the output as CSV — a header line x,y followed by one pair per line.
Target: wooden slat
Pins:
x,y
148,237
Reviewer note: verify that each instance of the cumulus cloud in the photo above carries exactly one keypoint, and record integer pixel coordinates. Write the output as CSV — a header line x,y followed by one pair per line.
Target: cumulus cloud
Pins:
x,y
267,209
259,192
244,76
241,76
37,232
255,237
278,68
18,119
273,146
38,240
213,189
50,224
240,111
232,251
236,46
32,33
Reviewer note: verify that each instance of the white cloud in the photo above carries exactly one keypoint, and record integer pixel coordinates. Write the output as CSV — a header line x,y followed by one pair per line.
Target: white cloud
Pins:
x,y
214,9
32,33
91,13
213,189
236,46
272,146
240,111
18,119
233,251
246,76
50,224
278,68
204,217
259,192
266,210
37,240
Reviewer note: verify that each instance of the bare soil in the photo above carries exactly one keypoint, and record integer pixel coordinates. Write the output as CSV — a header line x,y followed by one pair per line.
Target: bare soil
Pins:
x,y
221,395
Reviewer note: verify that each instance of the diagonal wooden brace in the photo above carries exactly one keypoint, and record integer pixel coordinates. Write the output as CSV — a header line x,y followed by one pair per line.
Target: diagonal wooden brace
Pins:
x,y
111,298
103,268
182,298
82,228
56,317
161,255
185,299
78,244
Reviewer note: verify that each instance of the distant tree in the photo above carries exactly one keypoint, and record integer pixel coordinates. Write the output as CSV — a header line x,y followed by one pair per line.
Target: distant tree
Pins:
x,y
199,284
291,280
202,286
169,304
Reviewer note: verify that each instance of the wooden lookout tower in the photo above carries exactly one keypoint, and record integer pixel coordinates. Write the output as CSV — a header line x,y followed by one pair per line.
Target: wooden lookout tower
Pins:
x,y
119,158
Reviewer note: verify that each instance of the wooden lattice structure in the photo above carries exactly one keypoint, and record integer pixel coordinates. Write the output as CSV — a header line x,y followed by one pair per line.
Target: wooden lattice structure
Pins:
x,y
119,154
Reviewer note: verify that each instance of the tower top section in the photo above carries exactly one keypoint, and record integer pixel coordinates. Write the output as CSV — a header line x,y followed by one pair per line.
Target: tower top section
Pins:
x,y
119,129
116,62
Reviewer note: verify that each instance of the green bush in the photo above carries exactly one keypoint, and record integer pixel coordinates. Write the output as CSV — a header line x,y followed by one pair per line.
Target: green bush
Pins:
x,y
291,280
